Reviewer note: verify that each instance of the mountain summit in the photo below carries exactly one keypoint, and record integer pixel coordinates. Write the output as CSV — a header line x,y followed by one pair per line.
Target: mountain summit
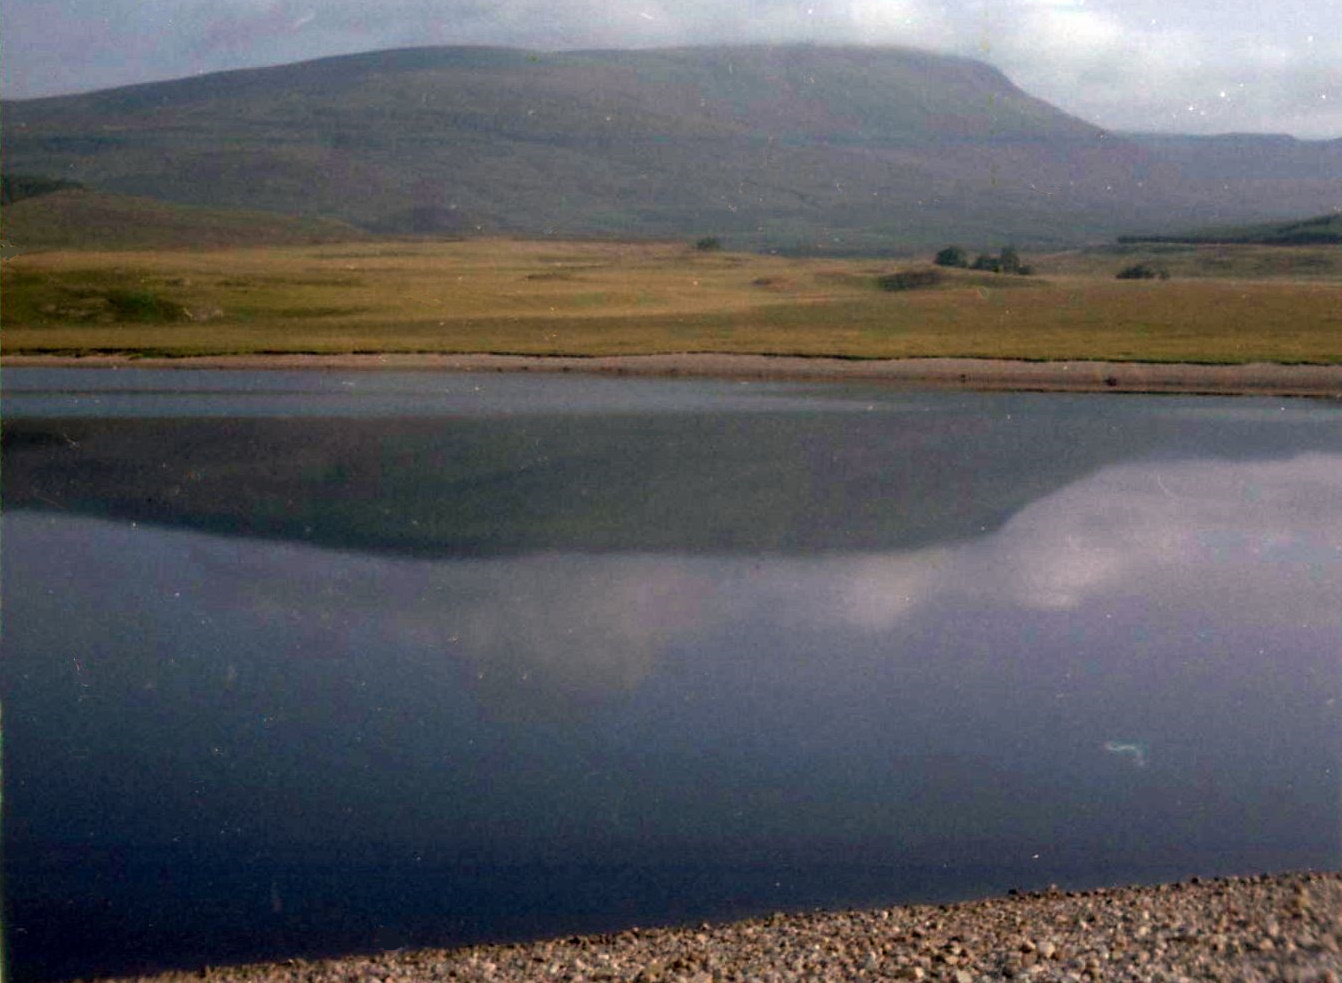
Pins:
x,y
842,148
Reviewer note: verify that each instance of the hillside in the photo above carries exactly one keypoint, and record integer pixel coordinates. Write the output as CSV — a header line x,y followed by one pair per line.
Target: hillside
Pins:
x,y
838,149
81,219
1320,230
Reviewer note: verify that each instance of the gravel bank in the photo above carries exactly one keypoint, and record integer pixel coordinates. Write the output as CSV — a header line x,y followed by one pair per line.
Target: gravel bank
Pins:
x,y
970,373
1270,928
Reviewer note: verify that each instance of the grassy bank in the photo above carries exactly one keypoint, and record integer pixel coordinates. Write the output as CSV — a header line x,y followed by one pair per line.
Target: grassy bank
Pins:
x,y
609,298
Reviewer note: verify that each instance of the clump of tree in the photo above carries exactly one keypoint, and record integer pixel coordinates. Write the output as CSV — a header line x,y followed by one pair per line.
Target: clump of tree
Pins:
x,y
708,244
954,256
1007,261
1143,271
16,187
910,279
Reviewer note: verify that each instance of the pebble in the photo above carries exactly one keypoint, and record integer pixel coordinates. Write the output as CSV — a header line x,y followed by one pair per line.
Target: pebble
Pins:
x,y
1256,929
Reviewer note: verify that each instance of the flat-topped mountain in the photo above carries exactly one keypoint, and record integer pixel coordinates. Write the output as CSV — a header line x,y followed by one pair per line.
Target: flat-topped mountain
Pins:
x,y
836,148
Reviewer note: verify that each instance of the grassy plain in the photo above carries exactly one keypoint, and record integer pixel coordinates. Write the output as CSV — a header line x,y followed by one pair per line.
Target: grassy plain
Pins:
x,y
603,298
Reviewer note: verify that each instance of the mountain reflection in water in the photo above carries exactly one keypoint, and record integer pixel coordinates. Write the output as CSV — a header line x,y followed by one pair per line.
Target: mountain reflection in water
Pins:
x,y
266,742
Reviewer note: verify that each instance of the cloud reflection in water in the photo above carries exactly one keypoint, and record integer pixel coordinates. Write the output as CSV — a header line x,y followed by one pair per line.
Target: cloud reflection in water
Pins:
x,y
1256,542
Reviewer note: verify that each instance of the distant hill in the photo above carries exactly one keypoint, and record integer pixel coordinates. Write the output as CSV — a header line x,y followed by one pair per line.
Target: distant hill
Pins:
x,y
80,219
1244,156
1323,230
795,147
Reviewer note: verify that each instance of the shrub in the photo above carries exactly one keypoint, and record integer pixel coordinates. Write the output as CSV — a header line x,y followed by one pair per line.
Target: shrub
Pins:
x,y
141,305
1143,271
910,279
952,256
708,244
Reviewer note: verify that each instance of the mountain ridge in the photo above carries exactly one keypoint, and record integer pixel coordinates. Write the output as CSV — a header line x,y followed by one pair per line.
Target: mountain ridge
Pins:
x,y
798,146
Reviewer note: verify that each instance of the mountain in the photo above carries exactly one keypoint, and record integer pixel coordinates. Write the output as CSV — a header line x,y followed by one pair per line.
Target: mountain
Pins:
x,y
839,148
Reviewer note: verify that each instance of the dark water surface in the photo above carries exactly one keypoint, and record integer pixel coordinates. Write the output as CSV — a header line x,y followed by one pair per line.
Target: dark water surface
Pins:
x,y
301,663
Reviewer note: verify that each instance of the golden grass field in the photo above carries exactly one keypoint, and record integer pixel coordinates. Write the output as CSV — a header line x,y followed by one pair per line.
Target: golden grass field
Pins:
x,y
602,298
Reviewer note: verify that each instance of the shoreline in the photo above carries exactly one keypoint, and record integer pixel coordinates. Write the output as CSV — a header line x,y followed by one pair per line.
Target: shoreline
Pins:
x,y
1264,379
1285,927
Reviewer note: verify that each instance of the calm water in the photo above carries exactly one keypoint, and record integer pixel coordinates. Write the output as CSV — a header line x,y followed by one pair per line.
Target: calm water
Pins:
x,y
313,663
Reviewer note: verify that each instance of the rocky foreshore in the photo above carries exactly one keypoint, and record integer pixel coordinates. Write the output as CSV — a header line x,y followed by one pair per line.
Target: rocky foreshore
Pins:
x,y
1266,928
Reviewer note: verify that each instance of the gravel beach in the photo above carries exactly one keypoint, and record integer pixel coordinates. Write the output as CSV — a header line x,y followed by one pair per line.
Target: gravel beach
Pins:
x,y
1263,928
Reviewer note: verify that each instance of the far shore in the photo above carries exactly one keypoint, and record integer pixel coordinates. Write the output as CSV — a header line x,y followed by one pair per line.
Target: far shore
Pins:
x,y
1265,379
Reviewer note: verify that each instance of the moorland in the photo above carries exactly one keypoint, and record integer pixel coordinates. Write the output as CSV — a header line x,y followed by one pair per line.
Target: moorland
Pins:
x,y
1221,304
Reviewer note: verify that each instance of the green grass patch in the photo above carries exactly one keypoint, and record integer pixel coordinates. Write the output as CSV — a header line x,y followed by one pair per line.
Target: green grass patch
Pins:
x,y
143,307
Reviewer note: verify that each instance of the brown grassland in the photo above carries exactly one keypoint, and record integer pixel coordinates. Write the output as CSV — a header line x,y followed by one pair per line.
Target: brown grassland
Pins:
x,y
1223,305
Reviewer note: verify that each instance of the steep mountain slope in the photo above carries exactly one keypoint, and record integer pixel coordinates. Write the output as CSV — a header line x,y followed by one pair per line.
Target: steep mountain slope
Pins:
x,y
810,147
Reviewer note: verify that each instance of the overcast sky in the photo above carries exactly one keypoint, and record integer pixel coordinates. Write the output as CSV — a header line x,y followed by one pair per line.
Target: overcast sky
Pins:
x,y
1191,66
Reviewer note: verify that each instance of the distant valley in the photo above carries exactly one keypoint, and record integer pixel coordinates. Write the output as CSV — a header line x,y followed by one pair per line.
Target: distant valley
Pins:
x,y
798,149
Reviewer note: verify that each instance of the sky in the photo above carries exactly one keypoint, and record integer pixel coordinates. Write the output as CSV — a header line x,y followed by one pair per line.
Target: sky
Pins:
x,y
1184,66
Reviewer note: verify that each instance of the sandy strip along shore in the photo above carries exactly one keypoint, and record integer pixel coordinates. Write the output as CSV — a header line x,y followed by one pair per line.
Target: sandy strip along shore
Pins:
x,y
1076,376
1269,928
